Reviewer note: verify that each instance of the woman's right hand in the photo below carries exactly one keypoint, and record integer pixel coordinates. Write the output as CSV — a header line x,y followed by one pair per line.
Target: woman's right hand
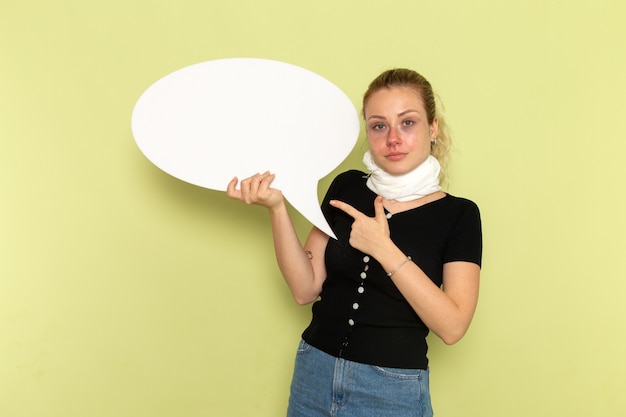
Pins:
x,y
256,190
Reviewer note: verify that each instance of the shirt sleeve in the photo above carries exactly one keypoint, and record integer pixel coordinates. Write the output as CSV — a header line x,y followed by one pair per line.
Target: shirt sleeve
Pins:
x,y
465,243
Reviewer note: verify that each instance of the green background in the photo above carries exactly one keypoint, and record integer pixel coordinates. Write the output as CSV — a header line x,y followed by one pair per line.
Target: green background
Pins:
x,y
126,292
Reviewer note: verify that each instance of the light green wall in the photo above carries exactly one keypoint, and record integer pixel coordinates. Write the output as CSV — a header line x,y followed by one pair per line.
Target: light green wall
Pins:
x,y
127,293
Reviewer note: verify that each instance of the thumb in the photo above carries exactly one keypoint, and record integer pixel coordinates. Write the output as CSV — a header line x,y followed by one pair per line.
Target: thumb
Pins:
x,y
379,210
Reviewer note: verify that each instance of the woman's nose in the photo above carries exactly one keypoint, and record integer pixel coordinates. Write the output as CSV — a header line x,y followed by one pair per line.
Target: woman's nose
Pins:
x,y
393,138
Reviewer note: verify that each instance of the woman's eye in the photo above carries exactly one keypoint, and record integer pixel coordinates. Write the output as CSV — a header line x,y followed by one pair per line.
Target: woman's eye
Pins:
x,y
408,123
378,126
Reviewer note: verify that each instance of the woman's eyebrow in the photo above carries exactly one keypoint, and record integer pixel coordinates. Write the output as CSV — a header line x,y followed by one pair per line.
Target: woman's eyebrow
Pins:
x,y
402,113
408,111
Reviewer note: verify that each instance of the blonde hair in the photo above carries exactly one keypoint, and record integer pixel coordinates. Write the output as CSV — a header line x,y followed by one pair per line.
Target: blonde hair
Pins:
x,y
402,77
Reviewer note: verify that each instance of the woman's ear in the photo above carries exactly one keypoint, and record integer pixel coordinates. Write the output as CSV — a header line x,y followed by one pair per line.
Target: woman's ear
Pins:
x,y
434,129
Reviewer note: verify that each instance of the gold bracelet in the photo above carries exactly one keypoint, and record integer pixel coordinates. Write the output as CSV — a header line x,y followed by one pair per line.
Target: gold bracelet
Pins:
x,y
389,274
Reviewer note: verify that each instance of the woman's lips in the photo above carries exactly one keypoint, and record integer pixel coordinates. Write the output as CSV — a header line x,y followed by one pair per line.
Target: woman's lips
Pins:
x,y
395,156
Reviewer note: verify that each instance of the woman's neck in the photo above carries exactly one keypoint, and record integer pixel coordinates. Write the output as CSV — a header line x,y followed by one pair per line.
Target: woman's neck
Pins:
x,y
394,206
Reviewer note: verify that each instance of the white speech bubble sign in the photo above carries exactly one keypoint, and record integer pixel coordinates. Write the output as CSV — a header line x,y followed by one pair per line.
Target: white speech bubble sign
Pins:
x,y
212,121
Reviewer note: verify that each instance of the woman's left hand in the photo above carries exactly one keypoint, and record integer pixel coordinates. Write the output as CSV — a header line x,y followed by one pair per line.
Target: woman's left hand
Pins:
x,y
369,234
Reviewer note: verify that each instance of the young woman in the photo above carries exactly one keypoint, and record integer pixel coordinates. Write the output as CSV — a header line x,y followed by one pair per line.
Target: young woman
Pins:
x,y
406,261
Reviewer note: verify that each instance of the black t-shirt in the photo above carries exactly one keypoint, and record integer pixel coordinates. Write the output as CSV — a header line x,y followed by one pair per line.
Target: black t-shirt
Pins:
x,y
361,315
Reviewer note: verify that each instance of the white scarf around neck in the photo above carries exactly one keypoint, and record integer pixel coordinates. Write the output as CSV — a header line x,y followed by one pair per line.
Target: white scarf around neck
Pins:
x,y
419,182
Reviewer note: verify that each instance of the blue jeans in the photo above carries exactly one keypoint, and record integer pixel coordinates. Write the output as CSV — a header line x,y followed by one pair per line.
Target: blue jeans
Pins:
x,y
326,386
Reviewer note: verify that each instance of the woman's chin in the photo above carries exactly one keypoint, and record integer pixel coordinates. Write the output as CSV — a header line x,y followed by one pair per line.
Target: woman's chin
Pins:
x,y
395,169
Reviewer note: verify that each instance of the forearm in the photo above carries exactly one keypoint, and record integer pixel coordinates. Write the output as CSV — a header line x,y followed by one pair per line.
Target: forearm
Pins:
x,y
436,309
303,275
448,315
294,264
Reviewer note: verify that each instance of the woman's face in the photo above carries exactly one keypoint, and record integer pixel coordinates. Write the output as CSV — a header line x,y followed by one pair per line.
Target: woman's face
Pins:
x,y
397,128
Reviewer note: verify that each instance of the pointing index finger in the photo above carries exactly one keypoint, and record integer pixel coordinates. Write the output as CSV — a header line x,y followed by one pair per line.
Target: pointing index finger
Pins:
x,y
346,208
